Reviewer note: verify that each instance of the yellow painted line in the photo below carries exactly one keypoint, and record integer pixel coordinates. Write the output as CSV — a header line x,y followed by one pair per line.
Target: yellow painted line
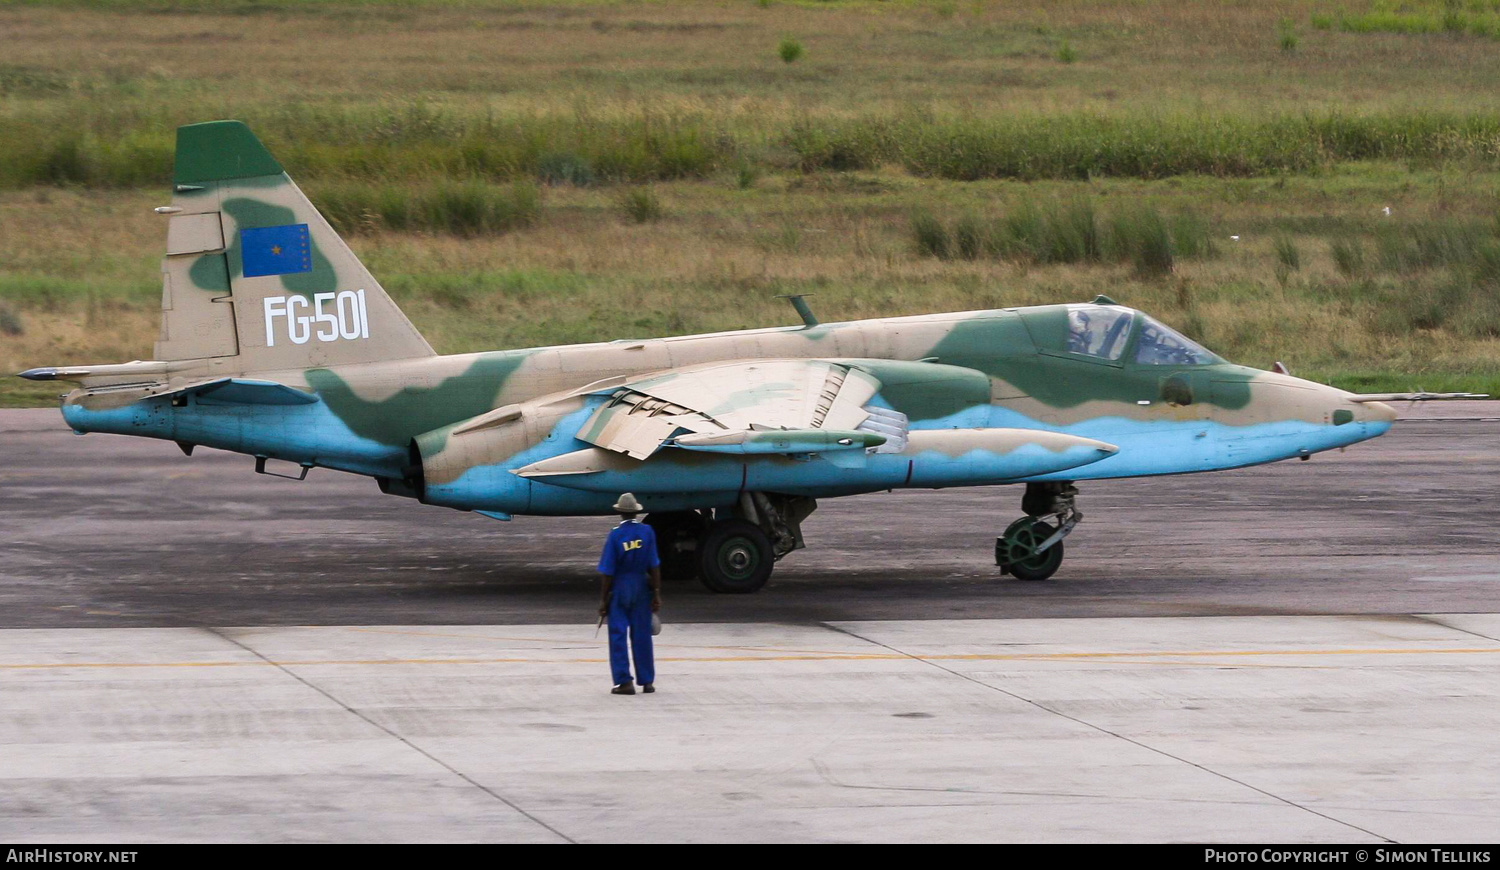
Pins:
x,y
849,657
587,641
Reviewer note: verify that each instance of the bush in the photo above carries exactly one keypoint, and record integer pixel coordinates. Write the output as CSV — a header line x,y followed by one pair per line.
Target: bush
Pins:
x,y
10,321
746,176
642,205
969,237
1286,32
1066,53
564,168
1142,236
790,50
1192,237
1348,256
468,208
931,236
1287,253
1428,245
1071,232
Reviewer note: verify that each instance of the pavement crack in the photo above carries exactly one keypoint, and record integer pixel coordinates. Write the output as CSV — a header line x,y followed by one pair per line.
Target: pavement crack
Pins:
x,y
1434,620
1102,730
402,739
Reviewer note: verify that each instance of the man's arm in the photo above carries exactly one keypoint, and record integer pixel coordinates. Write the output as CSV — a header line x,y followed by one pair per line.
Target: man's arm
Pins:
x,y
606,583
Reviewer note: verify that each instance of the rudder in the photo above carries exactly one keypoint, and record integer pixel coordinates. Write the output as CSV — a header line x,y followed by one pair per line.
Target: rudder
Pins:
x,y
255,276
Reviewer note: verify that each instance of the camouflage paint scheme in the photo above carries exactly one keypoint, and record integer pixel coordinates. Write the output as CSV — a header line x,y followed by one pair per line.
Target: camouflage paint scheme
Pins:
x,y
989,397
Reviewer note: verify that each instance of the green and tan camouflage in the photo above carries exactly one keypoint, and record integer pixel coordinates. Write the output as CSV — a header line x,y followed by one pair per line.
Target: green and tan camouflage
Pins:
x,y
276,342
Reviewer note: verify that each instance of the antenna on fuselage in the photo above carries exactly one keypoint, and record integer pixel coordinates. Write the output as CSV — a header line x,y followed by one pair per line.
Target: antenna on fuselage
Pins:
x,y
798,301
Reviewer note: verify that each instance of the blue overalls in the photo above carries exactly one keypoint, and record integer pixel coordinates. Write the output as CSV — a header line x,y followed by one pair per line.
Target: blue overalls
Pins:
x,y
629,553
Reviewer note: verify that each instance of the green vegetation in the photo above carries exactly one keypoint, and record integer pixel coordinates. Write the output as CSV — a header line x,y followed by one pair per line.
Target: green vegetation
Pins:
x,y
1029,148
461,208
1068,233
789,50
1479,18
642,205
1286,33
579,149
1287,253
503,168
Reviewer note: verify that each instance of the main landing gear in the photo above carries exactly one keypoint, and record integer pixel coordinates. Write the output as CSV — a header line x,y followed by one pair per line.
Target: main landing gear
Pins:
x,y
1032,547
733,550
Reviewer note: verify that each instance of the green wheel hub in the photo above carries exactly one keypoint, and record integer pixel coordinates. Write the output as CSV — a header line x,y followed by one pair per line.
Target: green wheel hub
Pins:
x,y
738,558
1016,550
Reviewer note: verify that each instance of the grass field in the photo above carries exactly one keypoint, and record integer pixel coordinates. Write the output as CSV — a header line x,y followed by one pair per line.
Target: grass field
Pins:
x,y
498,165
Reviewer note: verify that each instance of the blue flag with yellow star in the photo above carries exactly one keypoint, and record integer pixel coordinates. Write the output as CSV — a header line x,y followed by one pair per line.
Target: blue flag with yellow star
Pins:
x,y
275,250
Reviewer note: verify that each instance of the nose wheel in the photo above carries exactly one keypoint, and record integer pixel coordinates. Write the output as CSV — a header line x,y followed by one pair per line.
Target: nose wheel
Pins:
x,y
1019,551
1031,548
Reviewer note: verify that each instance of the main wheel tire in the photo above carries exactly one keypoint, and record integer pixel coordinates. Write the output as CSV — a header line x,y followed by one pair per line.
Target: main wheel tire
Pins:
x,y
1015,550
735,557
672,530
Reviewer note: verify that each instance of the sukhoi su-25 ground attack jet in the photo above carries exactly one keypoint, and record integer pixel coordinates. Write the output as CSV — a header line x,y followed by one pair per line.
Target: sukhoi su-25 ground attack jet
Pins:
x,y
277,343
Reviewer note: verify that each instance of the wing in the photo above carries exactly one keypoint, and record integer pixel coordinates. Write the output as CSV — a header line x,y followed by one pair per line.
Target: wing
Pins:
x,y
747,406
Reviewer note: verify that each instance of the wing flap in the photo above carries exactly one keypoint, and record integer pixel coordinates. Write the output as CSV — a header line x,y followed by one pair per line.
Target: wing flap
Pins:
x,y
729,400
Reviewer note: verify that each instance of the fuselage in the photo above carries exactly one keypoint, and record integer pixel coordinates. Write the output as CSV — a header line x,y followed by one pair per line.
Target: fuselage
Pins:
x,y
1168,406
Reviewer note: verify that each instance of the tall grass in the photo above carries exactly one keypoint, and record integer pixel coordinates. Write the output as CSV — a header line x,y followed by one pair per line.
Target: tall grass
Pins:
x,y
470,208
130,148
931,235
1138,146
1415,18
642,205
1074,232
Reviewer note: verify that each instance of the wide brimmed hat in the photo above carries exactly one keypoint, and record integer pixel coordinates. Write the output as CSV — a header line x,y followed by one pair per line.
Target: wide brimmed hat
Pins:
x,y
628,505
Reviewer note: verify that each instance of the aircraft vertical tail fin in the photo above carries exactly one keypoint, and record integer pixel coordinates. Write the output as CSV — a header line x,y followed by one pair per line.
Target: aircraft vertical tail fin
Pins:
x,y
254,275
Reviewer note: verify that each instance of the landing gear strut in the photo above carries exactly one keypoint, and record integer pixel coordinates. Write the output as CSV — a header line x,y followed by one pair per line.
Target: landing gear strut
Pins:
x,y
1031,547
677,535
734,551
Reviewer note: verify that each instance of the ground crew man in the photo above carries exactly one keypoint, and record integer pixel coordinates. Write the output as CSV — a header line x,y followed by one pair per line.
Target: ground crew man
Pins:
x,y
629,593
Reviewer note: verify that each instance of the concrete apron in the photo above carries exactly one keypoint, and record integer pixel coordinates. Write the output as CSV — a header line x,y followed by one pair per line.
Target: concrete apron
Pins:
x,y
1339,729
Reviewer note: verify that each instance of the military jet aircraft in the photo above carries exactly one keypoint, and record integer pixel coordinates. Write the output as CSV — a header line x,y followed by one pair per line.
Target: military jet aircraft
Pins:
x,y
277,343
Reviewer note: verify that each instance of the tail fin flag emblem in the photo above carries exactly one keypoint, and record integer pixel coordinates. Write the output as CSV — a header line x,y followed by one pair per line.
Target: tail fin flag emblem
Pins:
x,y
275,250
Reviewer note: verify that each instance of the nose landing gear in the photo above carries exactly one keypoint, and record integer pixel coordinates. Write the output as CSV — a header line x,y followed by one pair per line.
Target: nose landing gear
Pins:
x,y
1031,548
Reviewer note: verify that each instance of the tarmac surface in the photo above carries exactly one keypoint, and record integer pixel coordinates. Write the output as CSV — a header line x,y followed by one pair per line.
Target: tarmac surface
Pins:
x,y
105,530
189,652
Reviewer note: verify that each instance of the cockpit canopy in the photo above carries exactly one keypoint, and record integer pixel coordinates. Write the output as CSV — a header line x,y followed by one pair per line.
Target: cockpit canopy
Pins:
x,y
1161,345
1105,331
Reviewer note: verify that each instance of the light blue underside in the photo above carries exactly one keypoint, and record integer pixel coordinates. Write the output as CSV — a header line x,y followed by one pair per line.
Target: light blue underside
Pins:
x,y
312,434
